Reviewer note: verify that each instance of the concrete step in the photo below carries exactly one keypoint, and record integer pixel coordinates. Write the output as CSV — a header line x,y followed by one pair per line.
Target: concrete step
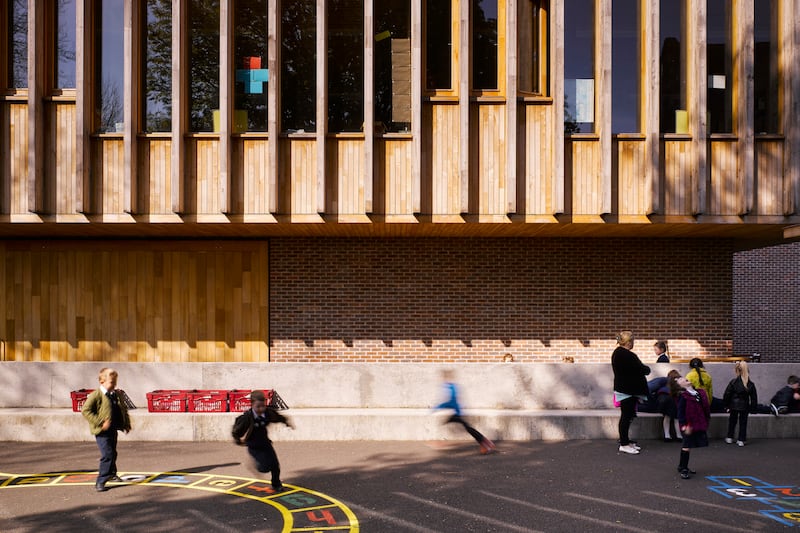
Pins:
x,y
64,425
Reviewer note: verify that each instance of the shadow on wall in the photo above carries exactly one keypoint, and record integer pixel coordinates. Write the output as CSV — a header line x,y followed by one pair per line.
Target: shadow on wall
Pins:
x,y
466,296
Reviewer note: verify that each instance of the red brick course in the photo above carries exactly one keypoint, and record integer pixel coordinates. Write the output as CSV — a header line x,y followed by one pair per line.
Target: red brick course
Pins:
x,y
766,302
448,300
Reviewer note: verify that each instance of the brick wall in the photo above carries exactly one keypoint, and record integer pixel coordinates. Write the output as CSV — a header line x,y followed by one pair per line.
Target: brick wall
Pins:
x,y
766,303
478,299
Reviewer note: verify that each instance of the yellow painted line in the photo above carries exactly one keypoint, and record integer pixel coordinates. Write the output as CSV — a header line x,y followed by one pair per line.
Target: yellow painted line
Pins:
x,y
742,482
194,482
316,507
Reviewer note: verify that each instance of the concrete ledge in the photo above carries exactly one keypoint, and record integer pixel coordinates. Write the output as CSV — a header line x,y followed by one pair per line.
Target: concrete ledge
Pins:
x,y
511,386
63,425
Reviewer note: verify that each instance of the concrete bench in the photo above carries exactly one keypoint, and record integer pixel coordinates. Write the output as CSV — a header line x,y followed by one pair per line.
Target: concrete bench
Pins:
x,y
365,401
63,425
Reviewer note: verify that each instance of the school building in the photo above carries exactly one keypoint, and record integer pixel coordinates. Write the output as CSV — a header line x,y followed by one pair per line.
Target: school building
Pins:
x,y
247,181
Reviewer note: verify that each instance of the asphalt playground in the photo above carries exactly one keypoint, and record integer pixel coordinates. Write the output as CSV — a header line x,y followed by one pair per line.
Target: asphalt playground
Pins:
x,y
445,486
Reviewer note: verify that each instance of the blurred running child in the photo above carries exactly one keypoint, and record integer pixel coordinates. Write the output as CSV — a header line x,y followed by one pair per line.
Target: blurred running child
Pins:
x,y
250,429
107,414
451,393
740,398
694,412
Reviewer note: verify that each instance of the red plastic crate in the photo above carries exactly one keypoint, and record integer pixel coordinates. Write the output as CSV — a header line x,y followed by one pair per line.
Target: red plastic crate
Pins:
x,y
239,400
207,401
169,401
79,398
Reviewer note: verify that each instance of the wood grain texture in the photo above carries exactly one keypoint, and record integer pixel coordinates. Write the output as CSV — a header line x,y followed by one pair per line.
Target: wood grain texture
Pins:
x,y
172,302
471,156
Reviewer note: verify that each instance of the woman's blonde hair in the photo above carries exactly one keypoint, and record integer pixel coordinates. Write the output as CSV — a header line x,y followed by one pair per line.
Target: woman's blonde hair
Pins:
x,y
624,337
743,372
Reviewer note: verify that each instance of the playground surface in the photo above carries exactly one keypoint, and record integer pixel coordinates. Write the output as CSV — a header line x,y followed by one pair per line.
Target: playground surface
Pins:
x,y
398,486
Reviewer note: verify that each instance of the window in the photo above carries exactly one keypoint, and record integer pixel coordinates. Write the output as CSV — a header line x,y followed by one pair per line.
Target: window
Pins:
x,y
672,71
298,66
18,44
157,66
720,67
484,45
439,45
65,44
626,66
393,65
251,74
203,64
579,84
345,65
532,42
766,66
109,65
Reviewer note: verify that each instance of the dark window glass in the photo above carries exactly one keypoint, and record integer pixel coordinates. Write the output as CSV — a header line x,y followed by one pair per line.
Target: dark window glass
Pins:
x,y
109,64
345,65
720,67
251,74
65,44
299,66
672,72
532,40
157,57
204,64
18,44
484,44
579,85
626,66
439,45
766,66
393,65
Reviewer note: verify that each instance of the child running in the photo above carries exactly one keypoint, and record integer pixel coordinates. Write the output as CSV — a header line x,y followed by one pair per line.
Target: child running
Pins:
x,y
451,391
250,429
694,412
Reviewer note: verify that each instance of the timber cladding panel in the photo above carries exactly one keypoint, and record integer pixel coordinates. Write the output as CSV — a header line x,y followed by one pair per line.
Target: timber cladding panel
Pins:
x,y
136,301
64,191
15,144
474,300
155,185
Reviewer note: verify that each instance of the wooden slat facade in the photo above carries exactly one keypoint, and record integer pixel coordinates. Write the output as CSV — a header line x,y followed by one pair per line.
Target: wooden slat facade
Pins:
x,y
179,302
477,157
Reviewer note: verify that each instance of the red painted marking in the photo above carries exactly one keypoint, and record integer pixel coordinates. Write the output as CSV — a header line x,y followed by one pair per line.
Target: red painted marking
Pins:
x,y
79,478
788,492
326,517
261,488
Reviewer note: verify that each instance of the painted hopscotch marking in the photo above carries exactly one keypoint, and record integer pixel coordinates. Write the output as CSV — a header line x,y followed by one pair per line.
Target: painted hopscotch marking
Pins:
x,y
301,509
782,501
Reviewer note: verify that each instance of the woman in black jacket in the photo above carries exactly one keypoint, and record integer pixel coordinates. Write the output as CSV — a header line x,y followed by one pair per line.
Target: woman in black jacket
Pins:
x,y
630,386
740,398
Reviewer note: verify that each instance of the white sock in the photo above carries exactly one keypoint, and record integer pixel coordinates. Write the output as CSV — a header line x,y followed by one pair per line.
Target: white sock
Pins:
x,y
665,422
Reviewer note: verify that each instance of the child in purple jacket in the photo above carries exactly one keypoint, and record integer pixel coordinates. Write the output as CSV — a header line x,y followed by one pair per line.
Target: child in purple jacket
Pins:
x,y
694,412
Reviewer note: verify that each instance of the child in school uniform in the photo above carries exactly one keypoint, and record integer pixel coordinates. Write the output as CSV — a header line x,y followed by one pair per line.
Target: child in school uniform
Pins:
x,y
694,413
250,429
107,414
740,398
787,399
